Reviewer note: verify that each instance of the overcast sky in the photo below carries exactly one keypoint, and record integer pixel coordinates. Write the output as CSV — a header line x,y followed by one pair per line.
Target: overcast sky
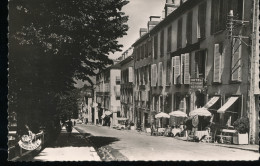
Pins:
x,y
139,12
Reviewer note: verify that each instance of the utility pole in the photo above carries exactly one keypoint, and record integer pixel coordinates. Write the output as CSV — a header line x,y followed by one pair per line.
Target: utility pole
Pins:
x,y
254,76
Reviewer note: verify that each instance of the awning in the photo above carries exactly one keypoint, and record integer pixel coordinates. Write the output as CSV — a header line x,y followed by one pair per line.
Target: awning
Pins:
x,y
211,102
230,101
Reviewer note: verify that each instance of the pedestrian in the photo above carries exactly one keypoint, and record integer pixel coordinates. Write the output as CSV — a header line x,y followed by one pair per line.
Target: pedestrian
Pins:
x,y
69,127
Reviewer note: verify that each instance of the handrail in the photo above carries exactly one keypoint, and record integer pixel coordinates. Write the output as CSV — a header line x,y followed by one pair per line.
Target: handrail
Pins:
x,y
22,152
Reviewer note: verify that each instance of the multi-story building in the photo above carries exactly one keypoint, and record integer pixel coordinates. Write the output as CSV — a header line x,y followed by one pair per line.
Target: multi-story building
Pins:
x,y
127,86
142,68
108,95
192,45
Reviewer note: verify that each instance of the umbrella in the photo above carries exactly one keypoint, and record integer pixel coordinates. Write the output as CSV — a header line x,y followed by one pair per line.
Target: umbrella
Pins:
x,y
162,115
200,112
108,113
178,114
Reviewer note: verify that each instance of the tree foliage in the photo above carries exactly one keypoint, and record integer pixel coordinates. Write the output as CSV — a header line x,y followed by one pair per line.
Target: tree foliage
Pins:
x,y
52,43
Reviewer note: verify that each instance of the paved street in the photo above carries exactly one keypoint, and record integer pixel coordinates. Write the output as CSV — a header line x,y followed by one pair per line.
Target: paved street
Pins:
x,y
136,146
73,148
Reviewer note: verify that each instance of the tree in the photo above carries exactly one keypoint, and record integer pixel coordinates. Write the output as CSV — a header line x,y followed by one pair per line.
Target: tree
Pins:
x,y
53,42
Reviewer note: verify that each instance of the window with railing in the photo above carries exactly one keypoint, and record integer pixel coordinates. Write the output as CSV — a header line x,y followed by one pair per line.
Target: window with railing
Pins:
x,y
118,80
169,39
162,43
155,46
179,34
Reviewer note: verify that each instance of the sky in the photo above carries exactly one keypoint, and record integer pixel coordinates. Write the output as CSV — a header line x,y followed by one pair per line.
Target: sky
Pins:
x,y
139,12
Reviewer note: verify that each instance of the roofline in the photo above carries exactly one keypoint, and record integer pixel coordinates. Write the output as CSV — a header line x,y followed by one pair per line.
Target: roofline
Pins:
x,y
176,13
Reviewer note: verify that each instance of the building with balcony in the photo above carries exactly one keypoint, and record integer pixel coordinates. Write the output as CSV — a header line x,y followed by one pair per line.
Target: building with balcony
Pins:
x,y
192,46
127,86
107,91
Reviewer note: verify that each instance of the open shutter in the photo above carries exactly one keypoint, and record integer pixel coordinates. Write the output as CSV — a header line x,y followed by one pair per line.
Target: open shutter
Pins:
x,y
172,75
182,68
155,74
236,67
152,76
187,69
177,69
198,29
130,72
163,75
217,64
160,73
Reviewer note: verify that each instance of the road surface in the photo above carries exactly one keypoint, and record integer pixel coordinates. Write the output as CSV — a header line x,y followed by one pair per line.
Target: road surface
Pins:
x,y
135,146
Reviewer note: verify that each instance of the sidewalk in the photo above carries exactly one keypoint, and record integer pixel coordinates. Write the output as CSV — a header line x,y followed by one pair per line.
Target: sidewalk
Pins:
x,y
254,148
65,148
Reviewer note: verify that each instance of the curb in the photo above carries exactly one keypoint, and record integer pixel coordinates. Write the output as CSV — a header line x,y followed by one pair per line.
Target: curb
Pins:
x,y
106,154
253,150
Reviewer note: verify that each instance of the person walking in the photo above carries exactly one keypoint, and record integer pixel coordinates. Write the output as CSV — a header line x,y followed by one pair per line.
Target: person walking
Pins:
x,y
69,128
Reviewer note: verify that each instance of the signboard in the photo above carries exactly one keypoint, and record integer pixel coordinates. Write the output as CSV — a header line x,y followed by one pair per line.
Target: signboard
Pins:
x,y
196,83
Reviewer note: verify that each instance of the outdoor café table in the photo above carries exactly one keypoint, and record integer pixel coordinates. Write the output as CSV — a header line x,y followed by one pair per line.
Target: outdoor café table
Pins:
x,y
226,135
200,134
161,131
175,131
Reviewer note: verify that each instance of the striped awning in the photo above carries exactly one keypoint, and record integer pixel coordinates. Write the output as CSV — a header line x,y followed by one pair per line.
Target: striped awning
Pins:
x,y
230,101
211,102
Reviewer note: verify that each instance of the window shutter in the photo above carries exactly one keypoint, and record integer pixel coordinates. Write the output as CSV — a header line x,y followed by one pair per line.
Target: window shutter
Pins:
x,y
198,29
236,57
152,73
172,75
130,76
155,74
217,64
187,69
160,72
177,69
163,75
181,68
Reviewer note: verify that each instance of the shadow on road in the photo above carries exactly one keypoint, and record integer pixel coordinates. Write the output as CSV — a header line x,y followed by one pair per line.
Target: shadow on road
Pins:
x,y
99,141
65,140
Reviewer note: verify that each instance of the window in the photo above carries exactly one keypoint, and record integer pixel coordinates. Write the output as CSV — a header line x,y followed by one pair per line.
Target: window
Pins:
x,y
200,62
155,46
160,73
217,62
201,29
179,102
142,51
168,72
177,70
161,103
130,74
118,80
179,35
146,49
154,75
172,75
236,60
162,43
150,47
189,28
169,39
220,10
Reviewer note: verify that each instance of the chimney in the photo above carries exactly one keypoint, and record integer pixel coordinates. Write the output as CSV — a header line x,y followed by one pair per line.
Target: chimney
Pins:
x,y
163,14
154,20
170,6
143,31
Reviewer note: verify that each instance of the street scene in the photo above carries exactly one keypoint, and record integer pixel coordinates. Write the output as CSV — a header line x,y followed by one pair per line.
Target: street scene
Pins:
x,y
139,80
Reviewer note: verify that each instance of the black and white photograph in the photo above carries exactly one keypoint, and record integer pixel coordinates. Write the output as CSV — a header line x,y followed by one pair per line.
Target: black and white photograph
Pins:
x,y
133,80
